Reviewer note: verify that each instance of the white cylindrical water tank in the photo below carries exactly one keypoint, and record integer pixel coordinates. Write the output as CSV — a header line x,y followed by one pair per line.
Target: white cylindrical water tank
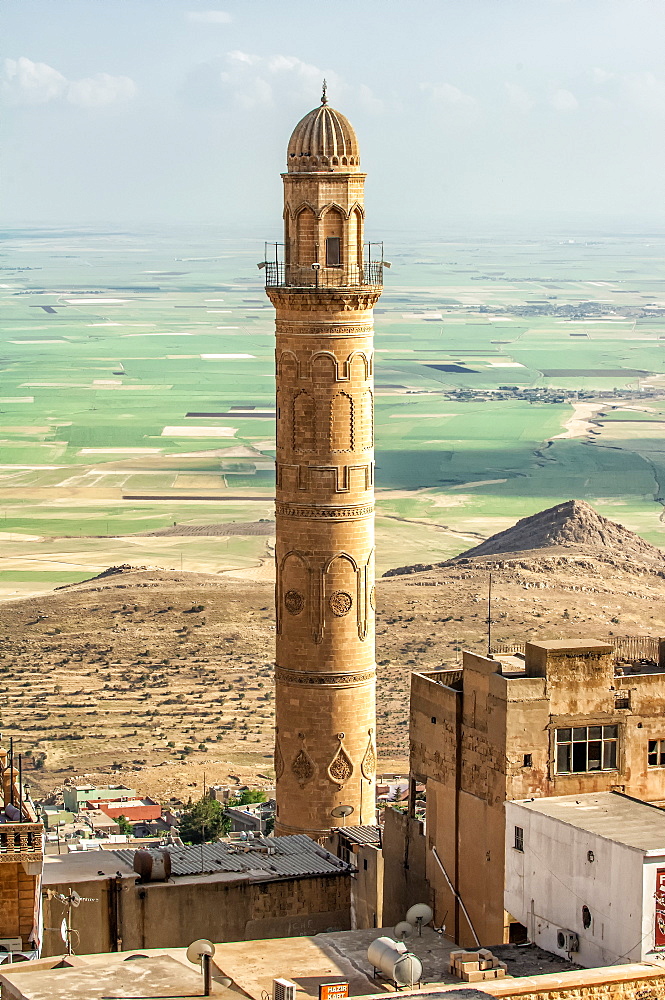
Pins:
x,y
394,961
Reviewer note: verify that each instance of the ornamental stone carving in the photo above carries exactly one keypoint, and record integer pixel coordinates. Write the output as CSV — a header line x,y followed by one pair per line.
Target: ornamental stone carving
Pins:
x,y
368,765
303,767
294,602
279,760
372,598
327,679
304,510
340,603
340,768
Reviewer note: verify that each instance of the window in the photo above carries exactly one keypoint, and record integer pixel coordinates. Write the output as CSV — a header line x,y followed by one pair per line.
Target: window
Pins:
x,y
528,760
434,720
519,838
622,699
364,864
333,251
586,748
656,753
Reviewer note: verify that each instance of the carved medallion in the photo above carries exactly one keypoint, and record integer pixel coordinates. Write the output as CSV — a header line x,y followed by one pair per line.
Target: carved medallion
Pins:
x,y
340,768
303,767
294,602
279,760
372,598
368,766
340,603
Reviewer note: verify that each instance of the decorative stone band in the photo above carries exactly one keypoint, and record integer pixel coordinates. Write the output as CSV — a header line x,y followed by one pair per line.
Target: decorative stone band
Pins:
x,y
353,678
323,513
311,300
307,329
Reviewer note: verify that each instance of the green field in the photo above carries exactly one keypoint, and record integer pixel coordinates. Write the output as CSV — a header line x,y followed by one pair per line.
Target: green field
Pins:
x,y
108,341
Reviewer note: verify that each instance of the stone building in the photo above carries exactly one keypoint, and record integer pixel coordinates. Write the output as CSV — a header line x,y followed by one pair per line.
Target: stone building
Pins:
x,y
559,718
324,285
21,859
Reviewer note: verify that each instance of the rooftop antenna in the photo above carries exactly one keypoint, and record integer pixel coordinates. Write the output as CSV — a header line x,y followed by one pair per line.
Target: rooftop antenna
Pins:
x,y
489,616
341,812
201,952
324,93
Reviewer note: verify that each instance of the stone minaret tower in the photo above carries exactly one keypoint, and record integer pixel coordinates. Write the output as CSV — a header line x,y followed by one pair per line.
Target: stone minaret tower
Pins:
x,y
323,287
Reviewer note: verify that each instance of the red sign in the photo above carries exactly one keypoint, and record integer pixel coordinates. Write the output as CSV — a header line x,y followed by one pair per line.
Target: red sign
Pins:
x,y
337,991
660,908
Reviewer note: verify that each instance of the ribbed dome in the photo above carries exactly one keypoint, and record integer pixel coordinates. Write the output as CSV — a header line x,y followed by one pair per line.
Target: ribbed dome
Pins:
x,y
323,140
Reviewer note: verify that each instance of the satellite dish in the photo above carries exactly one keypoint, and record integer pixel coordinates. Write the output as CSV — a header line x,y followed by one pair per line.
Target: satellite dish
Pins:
x,y
63,930
341,812
198,949
419,914
75,899
403,930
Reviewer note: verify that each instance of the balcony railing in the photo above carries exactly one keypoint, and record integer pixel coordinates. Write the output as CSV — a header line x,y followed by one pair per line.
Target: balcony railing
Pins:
x,y
21,842
280,274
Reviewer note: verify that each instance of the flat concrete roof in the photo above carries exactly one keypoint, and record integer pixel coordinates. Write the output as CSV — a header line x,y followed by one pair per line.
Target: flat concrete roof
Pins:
x,y
153,976
561,645
82,866
340,956
610,815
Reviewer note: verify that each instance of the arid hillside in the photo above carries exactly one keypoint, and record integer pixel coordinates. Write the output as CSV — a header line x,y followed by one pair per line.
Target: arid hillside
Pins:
x,y
153,677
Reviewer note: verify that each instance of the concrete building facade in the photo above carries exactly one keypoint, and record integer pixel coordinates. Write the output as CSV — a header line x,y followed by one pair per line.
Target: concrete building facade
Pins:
x,y
585,874
563,717
323,286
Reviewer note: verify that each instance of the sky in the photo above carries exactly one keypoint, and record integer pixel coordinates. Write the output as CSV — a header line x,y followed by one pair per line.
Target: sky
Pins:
x,y
468,112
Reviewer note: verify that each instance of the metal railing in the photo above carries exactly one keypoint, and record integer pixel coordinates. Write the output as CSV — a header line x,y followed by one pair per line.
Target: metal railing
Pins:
x,y
280,274
629,648
295,276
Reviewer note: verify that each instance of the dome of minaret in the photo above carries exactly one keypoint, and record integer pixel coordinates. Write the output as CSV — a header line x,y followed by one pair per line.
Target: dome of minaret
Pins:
x,y
324,140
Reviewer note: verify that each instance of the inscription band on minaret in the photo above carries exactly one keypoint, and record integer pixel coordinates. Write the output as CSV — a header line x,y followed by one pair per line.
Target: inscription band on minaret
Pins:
x,y
324,284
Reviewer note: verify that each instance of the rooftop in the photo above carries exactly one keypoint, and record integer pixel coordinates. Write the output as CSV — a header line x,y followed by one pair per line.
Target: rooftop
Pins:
x,y
261,858
611,815
360,834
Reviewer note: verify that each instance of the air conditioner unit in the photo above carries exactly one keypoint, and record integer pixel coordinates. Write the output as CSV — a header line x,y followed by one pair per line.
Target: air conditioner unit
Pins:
x,y
283,989
567,940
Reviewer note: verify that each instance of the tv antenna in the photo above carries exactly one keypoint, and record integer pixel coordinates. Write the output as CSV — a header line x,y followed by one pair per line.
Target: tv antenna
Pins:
x,y
200,953
341,812
71,901
489,616
419,915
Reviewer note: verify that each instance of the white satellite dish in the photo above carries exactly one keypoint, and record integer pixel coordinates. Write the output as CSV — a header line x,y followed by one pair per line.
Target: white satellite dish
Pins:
x,y
418,915
198,949
75,899
63,930
403,930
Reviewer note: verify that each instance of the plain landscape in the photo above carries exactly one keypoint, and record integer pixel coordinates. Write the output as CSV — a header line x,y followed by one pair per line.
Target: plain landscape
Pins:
x,y
137,430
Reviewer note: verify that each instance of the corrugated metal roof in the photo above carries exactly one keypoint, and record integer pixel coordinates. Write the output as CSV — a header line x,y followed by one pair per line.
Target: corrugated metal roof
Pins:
x,y
294,856
361,834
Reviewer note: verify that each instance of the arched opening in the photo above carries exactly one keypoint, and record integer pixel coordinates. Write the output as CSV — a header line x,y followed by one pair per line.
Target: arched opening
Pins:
x,y
305,237
333,235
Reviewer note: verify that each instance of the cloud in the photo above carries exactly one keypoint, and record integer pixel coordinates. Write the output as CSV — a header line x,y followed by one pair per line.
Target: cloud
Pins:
x,y
100,90
564,100
646,91
248,81
599,75
519,97
26,82
448,94
209,16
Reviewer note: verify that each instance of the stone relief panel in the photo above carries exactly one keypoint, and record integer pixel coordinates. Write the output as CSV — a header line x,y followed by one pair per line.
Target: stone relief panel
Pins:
x,y
340,603
303,767
278,758
303,423
341,422
293,588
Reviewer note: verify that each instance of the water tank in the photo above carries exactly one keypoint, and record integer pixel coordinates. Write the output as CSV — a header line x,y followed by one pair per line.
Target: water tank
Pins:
x,y
153,866
394,961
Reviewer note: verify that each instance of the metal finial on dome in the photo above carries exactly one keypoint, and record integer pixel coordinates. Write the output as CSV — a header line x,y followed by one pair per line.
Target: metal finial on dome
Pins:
x,y
324,94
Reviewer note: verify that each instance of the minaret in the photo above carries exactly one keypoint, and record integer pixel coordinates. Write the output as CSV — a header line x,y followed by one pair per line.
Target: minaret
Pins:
x,y
323,286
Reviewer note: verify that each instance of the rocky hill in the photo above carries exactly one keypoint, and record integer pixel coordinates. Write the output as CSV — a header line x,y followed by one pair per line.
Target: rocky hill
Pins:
x,y
153,677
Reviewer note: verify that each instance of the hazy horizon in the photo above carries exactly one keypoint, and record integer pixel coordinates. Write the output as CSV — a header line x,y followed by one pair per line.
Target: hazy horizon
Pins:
x,y
517,115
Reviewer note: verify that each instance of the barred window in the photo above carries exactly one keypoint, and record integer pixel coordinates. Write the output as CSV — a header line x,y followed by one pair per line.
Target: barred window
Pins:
x,y
519,838
656,753
586,748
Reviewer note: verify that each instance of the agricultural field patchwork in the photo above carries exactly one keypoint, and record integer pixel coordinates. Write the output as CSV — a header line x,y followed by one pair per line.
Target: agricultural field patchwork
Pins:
x,y
137,393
